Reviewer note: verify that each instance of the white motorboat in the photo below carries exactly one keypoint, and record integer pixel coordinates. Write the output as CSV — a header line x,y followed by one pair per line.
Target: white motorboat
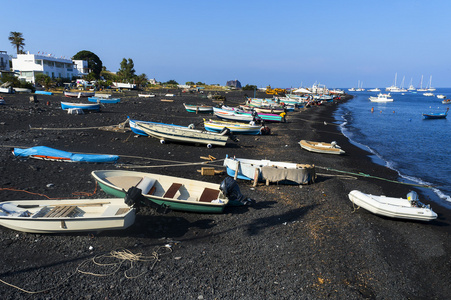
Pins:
x,y
441,96
381,98
374,90
428,94
410,208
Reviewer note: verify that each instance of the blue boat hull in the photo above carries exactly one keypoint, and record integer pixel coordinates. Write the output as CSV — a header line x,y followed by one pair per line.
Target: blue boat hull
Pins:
x,y
46,153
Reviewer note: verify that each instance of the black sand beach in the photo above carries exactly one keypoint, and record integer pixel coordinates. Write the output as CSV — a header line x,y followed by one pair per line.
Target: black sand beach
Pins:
x,y
296,242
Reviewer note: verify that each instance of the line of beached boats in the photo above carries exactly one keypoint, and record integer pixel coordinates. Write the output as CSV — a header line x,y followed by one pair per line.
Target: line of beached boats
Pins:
x,y
131,189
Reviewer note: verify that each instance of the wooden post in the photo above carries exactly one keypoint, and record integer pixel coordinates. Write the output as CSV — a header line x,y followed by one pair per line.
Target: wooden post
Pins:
x,y
236,170
256,175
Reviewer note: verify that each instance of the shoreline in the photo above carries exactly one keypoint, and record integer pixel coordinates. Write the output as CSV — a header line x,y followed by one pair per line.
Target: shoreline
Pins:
x,y
296,242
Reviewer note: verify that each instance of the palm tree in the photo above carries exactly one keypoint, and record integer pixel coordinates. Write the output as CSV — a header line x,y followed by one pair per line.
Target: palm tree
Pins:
x,y
17,40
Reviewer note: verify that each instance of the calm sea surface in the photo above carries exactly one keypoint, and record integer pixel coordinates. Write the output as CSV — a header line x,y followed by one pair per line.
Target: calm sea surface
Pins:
x,y
399,137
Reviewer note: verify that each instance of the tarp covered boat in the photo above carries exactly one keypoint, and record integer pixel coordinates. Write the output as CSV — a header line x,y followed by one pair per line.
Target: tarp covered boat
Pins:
x,y
46,153
271,171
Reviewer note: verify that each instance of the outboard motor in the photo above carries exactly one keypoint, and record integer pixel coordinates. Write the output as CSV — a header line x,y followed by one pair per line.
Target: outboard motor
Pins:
x,y
232,191
134,198
413,198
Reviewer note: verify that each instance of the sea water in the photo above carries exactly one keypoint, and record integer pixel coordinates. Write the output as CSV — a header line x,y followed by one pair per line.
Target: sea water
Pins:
x,y
400,138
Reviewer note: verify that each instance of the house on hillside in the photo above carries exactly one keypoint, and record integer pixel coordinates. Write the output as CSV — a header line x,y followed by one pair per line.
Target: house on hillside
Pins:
x,y
27,66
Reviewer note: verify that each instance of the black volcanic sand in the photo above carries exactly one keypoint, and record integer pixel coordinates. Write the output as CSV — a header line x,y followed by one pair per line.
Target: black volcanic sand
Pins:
x,y
296,242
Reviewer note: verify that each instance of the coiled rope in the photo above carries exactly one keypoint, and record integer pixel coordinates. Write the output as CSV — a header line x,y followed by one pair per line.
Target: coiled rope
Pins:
x,y
121,257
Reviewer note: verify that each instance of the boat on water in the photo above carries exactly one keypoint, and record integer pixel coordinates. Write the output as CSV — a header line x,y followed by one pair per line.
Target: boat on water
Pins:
x,y
441,96
83,106
410,208
175,192
198,108
79,94
381,98
374,90
67,215
47,153
104,100
321,147
428,94
169,132
436,115
446,101
235,127
270,171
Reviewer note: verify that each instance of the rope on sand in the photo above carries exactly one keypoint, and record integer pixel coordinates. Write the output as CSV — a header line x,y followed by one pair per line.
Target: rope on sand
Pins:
x,y
123,257
374,177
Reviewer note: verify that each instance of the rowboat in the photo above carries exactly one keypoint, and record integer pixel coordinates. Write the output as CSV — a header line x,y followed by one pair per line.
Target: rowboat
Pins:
x,y
436,115
321,147
43,93
83,106
79,94
175,192
198,108
47,153
235,127
239,115
168,132
446,101
146,95
104,100
68,215
271,171
410,208
132,123
21,90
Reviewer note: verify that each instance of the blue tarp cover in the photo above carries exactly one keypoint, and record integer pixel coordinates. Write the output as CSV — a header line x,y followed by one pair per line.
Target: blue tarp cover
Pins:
x,y
55,154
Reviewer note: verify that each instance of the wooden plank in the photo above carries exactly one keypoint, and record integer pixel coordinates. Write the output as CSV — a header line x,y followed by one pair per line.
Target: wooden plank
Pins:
x,y
122,211
170,193
60,211
208,195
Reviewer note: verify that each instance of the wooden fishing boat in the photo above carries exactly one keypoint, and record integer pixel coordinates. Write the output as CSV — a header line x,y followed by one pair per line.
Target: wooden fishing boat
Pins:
x,y
83,106
69,215
104,100
410,208
271,171
47,153
233,116
235,127
175,192
198,108
321,147
79,94
168,132
436,115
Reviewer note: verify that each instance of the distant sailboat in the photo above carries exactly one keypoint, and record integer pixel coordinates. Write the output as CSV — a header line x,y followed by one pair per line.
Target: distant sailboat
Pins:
x,y
421,86
393,88
411,87
430,88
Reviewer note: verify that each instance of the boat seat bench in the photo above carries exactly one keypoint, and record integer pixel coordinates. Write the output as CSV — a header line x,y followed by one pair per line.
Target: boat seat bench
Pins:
x,y
61,211
209,195
172,190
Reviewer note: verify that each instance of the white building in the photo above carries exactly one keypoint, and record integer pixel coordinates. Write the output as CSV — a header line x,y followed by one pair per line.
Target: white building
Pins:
x,y
27,66
82,67
4,61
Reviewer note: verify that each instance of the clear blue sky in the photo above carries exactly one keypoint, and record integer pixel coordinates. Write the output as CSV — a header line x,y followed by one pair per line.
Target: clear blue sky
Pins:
x,y
277,43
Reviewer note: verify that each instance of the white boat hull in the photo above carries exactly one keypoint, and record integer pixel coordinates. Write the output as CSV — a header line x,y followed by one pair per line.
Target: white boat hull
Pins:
x,y
41,216
320,147
391,207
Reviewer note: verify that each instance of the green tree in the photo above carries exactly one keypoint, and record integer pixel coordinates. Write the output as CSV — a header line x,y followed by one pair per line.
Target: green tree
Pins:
x,y
190,83
127,70
141,80
172,81
43,80
249,87
94,62
17,41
